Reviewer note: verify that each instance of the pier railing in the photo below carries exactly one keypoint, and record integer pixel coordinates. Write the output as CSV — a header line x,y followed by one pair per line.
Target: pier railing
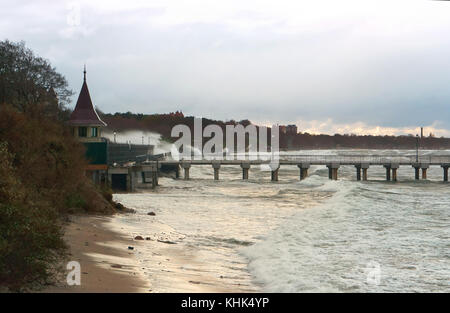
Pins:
x,y
370,159
324,159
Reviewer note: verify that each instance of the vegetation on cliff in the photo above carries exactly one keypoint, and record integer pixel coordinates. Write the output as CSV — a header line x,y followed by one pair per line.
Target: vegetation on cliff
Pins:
x,y
41,169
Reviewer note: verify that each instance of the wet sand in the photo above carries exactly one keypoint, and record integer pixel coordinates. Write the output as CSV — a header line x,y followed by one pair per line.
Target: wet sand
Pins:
x,y
100,244
169,265
107,265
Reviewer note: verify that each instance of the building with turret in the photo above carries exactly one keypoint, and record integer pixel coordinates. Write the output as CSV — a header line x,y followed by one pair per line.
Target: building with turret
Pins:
x,y
103,156
87,127
84,120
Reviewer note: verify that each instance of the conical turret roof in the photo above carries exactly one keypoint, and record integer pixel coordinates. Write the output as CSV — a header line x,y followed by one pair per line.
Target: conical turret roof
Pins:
x,y
84,112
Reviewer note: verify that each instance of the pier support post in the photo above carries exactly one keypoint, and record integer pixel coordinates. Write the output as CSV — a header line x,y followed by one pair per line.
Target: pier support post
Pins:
x,y
245,168
333,171
445,168
424,167
363,167
274,176
303,170
394,174
154,179
156,174
186,167
216,167
388,172
274,172
177,172
424,173
417,167
364,173
416,170
131,180
394,168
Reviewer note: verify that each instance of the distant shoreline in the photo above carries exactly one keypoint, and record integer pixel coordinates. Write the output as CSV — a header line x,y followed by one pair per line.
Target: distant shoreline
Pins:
x,y
162,124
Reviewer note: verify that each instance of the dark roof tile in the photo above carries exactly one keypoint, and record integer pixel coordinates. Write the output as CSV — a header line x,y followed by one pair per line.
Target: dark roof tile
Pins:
x,y
84,112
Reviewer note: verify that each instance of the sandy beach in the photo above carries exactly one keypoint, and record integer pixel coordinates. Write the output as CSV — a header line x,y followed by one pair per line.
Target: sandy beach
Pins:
x,y
167,263
107,265
101,245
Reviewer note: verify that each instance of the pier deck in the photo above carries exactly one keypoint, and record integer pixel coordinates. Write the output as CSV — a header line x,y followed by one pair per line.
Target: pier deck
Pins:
x,y
148,171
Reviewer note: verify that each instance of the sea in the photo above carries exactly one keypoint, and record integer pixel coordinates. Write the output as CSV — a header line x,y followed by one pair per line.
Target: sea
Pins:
x,y
314,235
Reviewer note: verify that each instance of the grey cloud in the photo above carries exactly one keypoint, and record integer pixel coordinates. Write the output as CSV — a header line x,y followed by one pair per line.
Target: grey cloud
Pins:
x,y
338,71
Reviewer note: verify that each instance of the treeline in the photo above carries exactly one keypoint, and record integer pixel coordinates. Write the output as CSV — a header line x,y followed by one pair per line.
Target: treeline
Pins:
x,y
337,141
163,124
41,169
159,123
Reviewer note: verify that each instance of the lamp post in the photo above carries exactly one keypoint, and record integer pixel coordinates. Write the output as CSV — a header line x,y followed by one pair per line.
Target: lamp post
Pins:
x,y
417,147
114,137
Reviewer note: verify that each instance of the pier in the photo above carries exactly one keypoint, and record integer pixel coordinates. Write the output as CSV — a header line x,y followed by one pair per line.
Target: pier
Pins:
x,y
145,174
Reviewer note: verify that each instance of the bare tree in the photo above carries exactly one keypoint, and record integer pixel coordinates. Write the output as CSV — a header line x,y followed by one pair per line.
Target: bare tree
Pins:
x,y
30,83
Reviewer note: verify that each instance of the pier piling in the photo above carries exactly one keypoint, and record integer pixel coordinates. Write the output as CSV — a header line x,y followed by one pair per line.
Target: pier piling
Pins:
x,y
363,167
274,172
216,167
303,170
394,174
333,170
424,167
394,168
445,169
416,174
388,171
186,167
245,168
154,179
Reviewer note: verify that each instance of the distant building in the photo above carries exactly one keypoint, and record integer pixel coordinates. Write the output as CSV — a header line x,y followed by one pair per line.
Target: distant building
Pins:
x,y
291,129
288,129
176,114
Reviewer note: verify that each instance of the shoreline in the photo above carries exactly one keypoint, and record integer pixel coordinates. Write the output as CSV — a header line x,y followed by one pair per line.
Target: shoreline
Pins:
x,y
170,266
100,244
107,265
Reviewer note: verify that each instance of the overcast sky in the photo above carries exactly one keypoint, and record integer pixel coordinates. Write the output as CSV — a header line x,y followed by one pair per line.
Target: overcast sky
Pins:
x,y
328,66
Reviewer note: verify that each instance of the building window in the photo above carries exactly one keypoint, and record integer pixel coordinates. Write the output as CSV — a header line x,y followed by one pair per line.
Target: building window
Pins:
x,y
82,131
94,131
